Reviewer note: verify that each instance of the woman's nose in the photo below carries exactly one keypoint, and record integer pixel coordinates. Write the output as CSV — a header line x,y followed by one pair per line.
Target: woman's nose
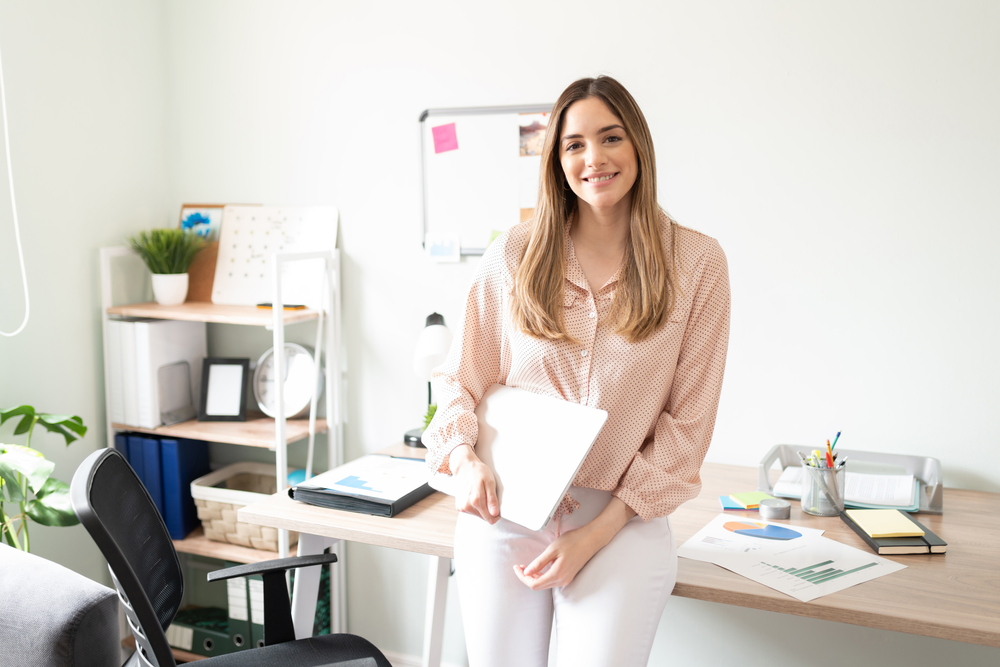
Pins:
x,y
595,157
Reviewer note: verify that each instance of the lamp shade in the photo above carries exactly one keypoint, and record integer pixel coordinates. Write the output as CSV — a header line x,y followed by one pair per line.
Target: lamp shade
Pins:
x,y
432,347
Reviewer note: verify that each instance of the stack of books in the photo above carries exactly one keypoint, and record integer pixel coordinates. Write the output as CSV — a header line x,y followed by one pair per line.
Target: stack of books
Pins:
x,y
154,366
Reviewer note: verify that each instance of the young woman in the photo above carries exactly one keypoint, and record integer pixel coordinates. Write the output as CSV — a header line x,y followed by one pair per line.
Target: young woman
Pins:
x,y
602,300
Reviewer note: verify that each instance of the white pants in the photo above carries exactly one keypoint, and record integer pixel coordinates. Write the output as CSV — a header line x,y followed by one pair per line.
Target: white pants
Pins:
x,y
607,616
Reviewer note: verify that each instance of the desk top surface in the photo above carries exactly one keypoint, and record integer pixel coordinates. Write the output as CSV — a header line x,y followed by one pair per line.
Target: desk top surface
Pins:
x,y
952,596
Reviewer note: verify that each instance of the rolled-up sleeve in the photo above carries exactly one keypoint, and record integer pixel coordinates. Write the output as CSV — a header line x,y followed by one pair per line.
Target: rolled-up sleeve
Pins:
x,y
665,472
473,363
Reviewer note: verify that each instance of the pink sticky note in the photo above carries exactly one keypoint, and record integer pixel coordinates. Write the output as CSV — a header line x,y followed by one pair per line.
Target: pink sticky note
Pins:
x,y
445,138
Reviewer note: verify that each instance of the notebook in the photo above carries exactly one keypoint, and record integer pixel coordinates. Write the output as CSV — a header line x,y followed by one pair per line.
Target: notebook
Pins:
x,y
534,445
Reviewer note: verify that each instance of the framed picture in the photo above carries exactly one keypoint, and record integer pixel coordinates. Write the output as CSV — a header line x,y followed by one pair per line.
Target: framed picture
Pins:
x,y
224,390
205,220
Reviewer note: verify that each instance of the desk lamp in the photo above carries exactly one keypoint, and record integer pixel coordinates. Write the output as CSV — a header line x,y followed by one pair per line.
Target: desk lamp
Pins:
x,y
432,350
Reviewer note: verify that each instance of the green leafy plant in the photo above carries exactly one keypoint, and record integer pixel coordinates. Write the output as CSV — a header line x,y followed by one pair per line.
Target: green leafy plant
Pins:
x,y
166,250
25,472
431,410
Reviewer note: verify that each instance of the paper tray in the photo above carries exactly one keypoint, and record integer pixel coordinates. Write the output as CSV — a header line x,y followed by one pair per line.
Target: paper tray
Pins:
x,y
924,468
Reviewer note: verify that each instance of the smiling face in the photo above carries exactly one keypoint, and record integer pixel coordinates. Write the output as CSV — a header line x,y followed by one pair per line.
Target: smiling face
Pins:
x,y
598,157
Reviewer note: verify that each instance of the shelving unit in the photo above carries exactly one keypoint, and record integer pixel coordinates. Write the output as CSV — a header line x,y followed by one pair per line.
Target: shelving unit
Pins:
x,y
258,430
198,545
201,311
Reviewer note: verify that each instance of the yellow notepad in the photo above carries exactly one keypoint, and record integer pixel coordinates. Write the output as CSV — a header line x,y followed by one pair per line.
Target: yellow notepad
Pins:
x,y
750,499
885,523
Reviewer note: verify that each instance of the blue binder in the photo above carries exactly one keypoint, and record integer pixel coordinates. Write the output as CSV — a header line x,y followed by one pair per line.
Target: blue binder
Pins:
x,y
121,445
183,461
152,476
135,456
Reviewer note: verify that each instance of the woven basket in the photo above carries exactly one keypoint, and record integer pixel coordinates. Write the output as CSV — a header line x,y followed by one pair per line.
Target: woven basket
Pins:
x,y
219,494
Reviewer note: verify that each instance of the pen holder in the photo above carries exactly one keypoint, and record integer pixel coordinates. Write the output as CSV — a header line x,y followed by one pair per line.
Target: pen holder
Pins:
x,y
823,490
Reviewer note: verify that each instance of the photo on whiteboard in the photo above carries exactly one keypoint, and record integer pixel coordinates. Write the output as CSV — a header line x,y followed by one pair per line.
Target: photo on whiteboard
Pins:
x,y
533,127
205,220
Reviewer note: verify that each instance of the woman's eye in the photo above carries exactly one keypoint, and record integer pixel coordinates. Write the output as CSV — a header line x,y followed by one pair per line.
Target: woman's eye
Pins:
x,y
572,146
613,139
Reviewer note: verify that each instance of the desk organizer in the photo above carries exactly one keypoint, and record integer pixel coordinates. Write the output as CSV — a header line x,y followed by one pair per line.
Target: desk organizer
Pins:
x,y
925,469
219,494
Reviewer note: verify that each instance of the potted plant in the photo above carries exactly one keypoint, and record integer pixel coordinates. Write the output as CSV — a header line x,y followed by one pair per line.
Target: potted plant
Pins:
x,y
168,254
24,472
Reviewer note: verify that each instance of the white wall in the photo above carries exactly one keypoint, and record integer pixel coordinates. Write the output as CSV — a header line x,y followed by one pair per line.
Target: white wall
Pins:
x,y
86,93
841,152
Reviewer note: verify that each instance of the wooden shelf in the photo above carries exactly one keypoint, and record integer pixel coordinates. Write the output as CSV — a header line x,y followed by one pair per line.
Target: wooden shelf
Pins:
x,y
256,431
198,545
202,311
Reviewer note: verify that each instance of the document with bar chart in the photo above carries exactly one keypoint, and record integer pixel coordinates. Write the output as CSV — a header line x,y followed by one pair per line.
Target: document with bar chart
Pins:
x,y
794,560
816,567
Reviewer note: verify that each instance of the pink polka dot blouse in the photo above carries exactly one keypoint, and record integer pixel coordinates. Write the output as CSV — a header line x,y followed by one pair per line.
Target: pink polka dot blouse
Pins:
x,y
661,394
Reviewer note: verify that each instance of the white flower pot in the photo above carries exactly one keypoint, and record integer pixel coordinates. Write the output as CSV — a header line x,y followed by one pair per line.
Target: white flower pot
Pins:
x,y
170,289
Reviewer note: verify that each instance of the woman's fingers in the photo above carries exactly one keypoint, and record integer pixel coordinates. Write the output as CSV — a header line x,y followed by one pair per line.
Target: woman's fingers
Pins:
x,y
536,582
543,559
481,501
492,502
480,498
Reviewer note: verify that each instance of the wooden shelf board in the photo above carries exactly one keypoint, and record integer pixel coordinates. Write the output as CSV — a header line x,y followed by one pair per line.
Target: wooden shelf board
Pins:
x,y
256,431
198,545
201,311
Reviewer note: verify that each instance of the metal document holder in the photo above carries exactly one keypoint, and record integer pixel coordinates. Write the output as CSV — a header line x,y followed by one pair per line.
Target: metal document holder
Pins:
x,y
925,469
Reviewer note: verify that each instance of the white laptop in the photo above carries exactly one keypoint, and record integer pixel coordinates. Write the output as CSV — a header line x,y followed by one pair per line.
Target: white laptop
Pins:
x,y
534,445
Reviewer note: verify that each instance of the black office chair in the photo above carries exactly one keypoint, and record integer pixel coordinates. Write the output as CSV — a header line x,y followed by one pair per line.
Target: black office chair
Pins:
x,y
117,511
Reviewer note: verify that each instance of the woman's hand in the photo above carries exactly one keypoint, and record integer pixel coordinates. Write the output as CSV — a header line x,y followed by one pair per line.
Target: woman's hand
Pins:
x,y
565,558
478,487
567,555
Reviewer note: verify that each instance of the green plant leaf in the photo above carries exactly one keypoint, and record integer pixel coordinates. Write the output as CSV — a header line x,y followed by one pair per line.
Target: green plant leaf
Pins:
x,y
27,414
166,250
13,412
30,463
11,489
51,506
64,425
431,411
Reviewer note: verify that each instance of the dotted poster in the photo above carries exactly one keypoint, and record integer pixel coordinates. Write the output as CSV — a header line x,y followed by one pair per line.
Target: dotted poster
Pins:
x,y
250,235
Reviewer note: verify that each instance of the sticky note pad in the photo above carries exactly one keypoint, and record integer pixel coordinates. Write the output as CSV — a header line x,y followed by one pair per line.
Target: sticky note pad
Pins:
x,y
750,499
885,523
730,504
445,138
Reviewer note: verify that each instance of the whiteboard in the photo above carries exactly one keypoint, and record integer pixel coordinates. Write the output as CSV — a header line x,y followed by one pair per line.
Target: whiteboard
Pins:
x,y
248,238
479,176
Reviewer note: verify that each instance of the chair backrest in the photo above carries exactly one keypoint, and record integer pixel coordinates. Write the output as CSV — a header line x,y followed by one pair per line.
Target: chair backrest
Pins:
x,y
115,508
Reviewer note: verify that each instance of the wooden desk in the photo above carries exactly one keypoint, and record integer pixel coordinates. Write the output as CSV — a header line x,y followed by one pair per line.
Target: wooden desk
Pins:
x,y
951,596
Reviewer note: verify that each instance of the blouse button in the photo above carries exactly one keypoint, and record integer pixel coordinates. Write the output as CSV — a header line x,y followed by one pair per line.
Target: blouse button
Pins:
x,y
593,314
583,354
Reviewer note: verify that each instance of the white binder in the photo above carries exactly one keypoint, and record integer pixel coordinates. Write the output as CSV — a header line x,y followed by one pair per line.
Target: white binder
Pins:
x,y
534,445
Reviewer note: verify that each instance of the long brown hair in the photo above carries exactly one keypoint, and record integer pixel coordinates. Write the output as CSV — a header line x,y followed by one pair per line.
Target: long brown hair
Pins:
x,y
648,285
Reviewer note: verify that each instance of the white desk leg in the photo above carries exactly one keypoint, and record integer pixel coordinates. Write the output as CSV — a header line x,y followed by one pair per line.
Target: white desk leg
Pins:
x,y
437,595
306,588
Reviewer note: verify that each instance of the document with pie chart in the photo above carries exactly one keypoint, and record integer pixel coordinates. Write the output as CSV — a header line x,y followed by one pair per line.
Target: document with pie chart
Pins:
x,y
794,560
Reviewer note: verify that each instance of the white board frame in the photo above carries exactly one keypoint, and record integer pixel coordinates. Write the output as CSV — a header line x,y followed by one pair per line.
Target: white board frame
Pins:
x,y
428,225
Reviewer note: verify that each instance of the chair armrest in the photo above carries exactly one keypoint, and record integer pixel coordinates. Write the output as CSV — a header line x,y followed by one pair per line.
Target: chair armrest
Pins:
x,y
278,626
276,565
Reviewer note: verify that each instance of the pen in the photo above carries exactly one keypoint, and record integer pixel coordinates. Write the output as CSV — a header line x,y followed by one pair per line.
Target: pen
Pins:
x,y
835,440
829,454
